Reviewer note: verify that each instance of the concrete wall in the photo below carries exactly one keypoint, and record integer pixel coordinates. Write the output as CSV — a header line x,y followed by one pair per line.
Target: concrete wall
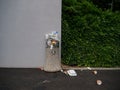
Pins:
x,y
23,24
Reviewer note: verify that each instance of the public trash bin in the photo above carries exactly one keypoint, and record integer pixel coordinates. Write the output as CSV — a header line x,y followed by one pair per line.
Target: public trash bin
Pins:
x,y
52,62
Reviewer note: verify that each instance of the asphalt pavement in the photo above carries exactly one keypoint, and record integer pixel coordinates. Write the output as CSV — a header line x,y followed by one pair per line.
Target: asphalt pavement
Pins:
x,y
36,79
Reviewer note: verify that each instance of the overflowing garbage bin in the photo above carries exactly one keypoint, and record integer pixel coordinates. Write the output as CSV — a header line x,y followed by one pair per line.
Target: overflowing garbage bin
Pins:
x,y
52,61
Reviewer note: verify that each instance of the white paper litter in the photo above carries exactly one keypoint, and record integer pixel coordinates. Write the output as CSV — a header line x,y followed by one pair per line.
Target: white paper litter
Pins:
x,y
72,73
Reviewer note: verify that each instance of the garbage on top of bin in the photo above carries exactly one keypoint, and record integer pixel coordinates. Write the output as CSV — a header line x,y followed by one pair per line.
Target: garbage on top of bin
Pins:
x,y
52,39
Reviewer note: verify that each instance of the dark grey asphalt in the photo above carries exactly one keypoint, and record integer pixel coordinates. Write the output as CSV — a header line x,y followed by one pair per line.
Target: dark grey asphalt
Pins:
x,y
35,79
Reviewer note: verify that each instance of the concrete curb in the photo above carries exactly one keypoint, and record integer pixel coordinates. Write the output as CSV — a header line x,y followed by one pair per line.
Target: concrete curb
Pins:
x,y
91,68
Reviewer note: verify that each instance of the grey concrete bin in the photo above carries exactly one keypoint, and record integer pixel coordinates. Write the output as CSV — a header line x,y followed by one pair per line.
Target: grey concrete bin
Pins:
x,y
52,62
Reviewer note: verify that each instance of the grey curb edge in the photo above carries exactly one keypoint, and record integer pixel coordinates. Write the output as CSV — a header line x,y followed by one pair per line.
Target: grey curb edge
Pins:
x,y
91,68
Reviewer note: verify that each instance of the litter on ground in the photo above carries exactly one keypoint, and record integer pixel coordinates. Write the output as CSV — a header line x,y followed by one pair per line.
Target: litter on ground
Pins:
x,y
72,73
46,81
95,72
69,72
99,82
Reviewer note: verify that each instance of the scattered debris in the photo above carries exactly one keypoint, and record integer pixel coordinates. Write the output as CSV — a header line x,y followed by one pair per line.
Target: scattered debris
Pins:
x,y
72,73
99,82
89,68
69,72
95,72
45,81
64,71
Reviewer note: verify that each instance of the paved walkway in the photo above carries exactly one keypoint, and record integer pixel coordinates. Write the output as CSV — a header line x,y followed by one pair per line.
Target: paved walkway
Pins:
x,y
35,79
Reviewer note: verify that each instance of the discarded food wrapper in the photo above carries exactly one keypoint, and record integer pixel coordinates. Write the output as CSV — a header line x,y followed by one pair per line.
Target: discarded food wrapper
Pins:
x,y
72,73
89,68
95,72
99,82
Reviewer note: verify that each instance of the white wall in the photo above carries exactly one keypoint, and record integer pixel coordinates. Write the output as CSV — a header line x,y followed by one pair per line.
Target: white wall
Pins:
x,y
23,24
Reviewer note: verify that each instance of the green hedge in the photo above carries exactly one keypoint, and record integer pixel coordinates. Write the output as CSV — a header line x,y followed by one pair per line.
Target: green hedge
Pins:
x,y
90,36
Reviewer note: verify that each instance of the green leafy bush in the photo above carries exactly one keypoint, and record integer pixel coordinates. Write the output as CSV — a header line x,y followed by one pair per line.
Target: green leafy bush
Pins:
x,y
90,36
